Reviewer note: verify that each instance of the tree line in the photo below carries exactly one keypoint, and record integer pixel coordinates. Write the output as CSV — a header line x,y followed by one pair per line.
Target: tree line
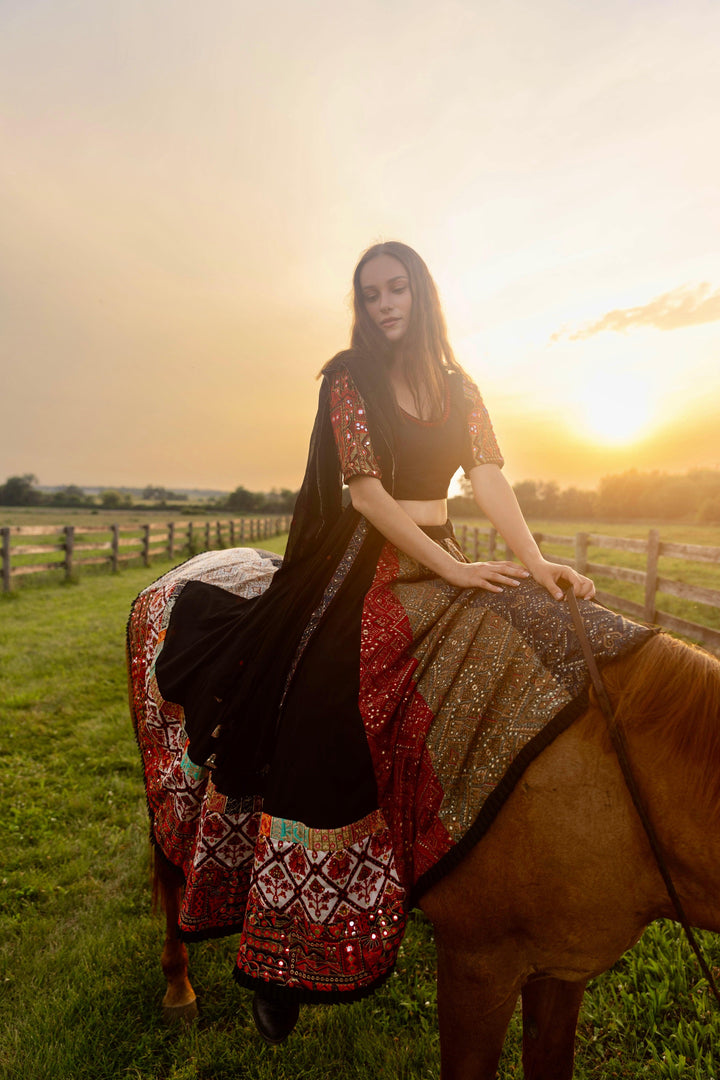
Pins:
x,y
628,496
23,491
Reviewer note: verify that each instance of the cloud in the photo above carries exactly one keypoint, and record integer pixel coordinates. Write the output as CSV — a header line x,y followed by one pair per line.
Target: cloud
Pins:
x,y
685,306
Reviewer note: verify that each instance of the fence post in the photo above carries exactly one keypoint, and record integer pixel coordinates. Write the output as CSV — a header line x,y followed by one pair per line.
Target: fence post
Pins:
x,y
218,534
114,547
146,544
463,539
232,532
207,535
492,537
190,538
651,574
476,544
171,539
6,557
242,529
69,549
581,550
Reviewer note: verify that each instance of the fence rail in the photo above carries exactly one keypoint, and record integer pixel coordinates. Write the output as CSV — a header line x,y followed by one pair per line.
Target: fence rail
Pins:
x,y
73,547
69,548
482,543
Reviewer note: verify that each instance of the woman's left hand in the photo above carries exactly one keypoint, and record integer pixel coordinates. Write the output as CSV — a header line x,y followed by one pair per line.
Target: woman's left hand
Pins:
x,y
554,575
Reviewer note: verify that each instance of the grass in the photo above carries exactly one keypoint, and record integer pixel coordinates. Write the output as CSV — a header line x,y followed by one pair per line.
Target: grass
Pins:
x,y
80,981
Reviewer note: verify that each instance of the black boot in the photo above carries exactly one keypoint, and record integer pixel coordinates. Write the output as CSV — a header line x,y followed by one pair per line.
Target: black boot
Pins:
x,y
274,1020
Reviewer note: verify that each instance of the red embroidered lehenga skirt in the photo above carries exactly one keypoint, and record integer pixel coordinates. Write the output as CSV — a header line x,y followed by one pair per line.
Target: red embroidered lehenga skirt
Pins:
x,y
409,712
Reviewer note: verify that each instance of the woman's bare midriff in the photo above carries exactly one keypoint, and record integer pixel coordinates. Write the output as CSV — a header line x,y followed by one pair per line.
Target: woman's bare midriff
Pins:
x,y
425,511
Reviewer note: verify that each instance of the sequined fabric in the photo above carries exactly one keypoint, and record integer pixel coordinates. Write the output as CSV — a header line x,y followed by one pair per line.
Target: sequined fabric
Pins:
x,y
210,837
320,911
456,686
457,691
326,911
350,427
484,444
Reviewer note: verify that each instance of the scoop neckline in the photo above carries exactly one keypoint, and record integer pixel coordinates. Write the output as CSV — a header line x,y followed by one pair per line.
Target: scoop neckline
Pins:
x,y
430,423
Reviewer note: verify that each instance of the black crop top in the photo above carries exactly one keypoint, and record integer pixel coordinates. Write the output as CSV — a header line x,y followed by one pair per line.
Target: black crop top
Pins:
x,y
427,453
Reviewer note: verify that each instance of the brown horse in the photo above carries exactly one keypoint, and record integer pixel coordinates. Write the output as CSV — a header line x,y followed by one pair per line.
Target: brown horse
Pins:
x,y
564,881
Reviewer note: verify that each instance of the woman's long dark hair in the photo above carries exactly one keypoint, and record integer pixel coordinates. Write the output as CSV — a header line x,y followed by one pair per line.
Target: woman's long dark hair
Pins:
x,y
426,348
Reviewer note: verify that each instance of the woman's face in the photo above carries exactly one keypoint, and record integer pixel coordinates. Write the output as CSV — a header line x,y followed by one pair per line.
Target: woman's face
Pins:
x,y
385,289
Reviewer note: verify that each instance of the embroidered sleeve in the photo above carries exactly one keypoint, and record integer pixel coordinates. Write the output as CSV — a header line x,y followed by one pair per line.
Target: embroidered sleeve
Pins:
x,y
483,444
349,423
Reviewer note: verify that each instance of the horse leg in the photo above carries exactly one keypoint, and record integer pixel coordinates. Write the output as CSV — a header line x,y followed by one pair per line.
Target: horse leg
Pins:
x,y
475,1004
550,1012
179,1002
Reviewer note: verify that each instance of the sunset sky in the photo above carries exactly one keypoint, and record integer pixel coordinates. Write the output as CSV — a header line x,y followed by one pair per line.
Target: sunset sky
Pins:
x,y
185,189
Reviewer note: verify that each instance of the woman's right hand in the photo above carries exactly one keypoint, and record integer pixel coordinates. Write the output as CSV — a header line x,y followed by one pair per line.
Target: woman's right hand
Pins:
x,y
493,576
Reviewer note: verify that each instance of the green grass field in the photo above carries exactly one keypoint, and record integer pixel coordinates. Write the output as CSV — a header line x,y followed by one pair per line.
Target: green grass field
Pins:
x,y
79,949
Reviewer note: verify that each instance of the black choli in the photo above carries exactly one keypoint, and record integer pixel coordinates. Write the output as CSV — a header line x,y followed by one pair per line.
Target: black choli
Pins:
x,y
427,453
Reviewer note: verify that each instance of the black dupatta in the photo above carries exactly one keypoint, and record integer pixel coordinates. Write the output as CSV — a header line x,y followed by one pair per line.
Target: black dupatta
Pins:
x,y
226,660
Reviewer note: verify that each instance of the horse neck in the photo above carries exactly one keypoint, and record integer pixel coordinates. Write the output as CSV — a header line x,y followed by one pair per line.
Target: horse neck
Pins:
x,y
667,699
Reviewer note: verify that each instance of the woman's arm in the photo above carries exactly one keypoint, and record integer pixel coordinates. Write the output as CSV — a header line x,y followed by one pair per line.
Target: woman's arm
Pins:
x,y
371,500
496,499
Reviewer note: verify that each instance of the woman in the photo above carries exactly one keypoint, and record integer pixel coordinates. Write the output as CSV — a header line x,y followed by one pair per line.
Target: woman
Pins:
x,y
417,359
374,708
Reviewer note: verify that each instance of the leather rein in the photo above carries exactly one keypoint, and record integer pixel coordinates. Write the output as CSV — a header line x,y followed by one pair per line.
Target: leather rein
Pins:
x,y
619,742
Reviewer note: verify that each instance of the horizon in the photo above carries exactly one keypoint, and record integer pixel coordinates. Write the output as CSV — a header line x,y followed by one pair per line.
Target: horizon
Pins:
x,y
181,489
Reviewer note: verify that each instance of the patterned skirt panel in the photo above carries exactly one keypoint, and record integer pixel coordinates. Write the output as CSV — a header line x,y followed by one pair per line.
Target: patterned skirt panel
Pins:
x,y
457,690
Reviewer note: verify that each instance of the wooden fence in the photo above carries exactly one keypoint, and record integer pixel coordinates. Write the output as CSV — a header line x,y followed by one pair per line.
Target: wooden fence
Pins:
x,y
75,546
482,543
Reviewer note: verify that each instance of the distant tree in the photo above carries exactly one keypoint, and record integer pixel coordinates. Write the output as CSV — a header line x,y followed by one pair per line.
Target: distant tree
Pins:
x,y
621,496
71,495
662,496
709,512
244,501
549,493
527,493
707,481
280,502
670,497
20,491
574,503
544,499
115,500
463,505
161,495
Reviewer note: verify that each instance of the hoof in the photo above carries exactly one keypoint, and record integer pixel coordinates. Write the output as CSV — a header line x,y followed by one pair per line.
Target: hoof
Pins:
x,y
175,1014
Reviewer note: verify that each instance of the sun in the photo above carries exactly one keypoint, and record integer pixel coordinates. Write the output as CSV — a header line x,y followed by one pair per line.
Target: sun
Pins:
x,y
615,412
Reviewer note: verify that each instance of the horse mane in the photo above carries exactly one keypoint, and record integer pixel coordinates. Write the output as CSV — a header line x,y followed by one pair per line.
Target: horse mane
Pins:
x,y
672,690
